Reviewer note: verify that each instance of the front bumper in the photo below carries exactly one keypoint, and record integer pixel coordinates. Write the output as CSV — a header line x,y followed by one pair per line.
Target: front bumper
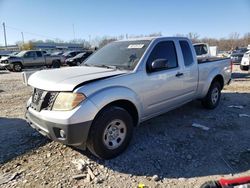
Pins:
x,y
73,134
5,66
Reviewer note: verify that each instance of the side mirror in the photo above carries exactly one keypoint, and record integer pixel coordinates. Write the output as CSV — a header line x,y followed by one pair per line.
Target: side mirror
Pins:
x,y
159,64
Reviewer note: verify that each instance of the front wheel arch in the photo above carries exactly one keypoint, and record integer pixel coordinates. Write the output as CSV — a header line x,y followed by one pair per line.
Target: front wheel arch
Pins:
x,y
15,63
219,79
95,142
126,105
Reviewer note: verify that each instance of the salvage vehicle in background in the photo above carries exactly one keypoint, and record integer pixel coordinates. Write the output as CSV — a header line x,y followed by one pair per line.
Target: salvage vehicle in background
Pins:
x,y
29,58
245,62
78,59
203,50
97,104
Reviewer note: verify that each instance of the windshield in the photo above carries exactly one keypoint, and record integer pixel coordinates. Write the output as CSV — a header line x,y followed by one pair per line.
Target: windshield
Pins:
x,y
66,53
79,55
122,54
56,53
20,54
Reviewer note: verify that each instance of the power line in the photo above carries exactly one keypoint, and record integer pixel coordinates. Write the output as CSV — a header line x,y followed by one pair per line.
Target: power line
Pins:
x,y
35,34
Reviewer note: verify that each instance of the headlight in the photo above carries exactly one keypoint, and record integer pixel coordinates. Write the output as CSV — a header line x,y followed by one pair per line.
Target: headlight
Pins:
x,y
67,101
5,61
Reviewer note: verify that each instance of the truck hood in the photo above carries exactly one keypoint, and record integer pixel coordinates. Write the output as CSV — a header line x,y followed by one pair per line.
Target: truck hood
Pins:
x,y
66,79
4,58
11,58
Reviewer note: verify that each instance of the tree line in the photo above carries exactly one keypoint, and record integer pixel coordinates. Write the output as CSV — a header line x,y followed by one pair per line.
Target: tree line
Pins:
x,y
233,41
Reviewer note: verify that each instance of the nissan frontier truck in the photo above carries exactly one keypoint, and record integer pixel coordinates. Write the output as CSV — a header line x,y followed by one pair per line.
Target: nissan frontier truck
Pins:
x,y
97,104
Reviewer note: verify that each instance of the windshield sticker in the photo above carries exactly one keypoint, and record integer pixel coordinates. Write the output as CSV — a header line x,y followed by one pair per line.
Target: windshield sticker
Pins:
x,y
131,46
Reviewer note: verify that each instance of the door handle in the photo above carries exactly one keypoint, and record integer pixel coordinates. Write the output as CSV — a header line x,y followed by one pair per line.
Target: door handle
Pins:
x,y
179,74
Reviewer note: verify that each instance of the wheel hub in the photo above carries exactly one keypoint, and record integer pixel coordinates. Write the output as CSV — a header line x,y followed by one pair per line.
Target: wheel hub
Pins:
x,y
114,134
215,95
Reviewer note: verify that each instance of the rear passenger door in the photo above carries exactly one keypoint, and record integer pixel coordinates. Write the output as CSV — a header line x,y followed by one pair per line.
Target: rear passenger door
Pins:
x,y
162,89
190,71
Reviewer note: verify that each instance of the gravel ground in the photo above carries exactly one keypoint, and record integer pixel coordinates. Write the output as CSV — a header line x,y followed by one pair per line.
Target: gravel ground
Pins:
x,y
166,151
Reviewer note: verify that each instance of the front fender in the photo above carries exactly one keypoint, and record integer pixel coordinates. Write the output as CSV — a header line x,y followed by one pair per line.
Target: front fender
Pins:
x,y
105,96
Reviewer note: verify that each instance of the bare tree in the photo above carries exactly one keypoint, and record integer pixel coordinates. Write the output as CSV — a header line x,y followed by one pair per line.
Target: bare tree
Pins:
x,y
193,37
233,38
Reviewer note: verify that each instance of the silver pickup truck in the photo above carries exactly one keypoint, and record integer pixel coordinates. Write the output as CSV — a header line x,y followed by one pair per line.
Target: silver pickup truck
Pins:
x,y
29,58
121,85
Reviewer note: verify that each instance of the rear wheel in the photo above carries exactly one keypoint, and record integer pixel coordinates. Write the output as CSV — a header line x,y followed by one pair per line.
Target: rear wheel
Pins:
x,y
17,67
110,132
56,64
212,98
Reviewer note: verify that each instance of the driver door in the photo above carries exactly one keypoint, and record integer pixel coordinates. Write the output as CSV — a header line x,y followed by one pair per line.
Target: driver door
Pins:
x,y
29,58
162,89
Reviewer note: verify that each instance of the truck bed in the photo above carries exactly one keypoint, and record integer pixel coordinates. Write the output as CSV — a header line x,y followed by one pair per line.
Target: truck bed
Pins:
x,y
210,59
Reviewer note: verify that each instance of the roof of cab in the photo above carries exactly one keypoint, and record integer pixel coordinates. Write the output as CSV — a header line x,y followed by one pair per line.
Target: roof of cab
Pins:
x,y
151,38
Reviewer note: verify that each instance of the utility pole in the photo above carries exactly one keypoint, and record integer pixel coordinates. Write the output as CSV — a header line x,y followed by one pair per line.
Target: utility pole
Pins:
x,y
22,37
4,32
74,32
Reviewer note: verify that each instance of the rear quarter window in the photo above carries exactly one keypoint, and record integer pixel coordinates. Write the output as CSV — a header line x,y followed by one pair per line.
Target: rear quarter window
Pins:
x,y
187,53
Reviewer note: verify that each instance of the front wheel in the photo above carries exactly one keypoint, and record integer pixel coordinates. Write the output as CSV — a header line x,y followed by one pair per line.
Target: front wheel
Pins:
x,y
17,67
110,132
212,98
78,63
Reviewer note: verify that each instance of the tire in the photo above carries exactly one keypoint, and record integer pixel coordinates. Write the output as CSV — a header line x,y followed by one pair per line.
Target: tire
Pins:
x,y
17,67
212,98
210,184
56,64
244,68
78,63
105,142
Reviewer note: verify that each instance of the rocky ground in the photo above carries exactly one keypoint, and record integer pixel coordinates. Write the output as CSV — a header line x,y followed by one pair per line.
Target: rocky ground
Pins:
x,y
166,151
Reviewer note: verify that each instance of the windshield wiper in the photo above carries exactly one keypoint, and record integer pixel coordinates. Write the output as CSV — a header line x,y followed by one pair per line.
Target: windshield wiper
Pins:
x,y
107,66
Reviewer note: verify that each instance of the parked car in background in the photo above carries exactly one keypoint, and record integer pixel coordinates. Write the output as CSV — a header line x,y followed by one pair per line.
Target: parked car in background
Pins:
x,y
69,54
78,59
57,53
97,104
245,62
29,58
236,57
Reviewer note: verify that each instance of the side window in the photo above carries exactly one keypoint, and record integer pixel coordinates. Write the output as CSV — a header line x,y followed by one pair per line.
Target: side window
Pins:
x,y
39,54
30,54
164,50
186,52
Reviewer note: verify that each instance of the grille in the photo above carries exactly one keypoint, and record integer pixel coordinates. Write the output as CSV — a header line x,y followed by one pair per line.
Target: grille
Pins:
x,y
42,99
